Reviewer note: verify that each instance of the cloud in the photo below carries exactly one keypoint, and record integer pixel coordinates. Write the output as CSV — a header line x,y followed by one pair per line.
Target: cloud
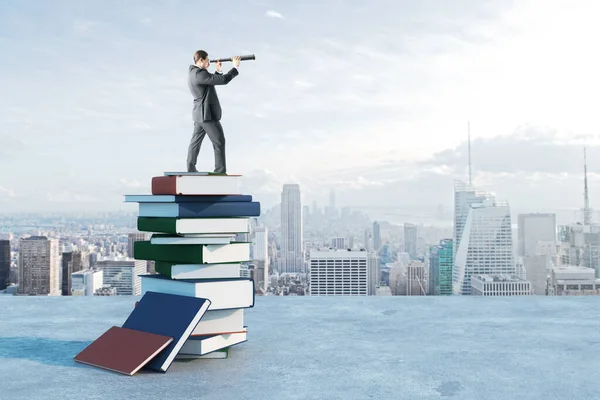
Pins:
x,y
273,14
6,193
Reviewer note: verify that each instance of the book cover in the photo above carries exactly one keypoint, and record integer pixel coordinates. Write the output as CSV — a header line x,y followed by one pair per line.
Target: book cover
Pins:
x,y
223,209
169,315
123,350
184,226
193,253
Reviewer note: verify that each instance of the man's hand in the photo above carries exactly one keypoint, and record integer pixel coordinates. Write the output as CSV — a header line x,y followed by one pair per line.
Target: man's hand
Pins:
x,y
236,61
218,66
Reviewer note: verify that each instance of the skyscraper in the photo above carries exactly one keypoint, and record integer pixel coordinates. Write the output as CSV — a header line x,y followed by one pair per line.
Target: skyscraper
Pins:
x,y
464,197
39,266
376,236
291,258
4,264
533,229
440,267
486,246
410,240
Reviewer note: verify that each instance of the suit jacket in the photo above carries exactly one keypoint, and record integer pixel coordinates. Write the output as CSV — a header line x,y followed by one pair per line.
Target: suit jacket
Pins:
x,y
202,86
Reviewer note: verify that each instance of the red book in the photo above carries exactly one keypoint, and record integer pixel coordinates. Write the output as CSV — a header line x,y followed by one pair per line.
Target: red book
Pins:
x,y
196,184
123,350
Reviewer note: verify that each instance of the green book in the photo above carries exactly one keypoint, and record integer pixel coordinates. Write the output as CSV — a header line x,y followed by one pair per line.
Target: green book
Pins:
x,y
192,253
197,271
183,226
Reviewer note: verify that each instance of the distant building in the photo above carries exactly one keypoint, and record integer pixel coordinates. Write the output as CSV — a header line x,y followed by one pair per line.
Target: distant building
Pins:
x,y
4,264
573,281
416,280
39,266
376,236
410,240
292,253
124,275
338,243
374,271
72,261
339,273
500,285
533,229
86,282
486,245
440,268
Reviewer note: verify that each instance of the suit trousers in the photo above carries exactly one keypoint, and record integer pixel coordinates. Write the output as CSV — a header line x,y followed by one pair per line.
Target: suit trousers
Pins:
x,y
216,136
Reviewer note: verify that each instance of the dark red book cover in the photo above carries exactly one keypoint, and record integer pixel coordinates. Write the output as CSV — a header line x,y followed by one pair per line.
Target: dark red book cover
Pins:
x,y
123,350
164,185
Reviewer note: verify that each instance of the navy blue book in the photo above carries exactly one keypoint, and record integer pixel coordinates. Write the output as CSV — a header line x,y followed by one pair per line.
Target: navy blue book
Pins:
x,y
200,210
169,198
169,315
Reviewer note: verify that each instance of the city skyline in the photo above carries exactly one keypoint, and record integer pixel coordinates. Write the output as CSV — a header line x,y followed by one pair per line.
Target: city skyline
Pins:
x,y
114,109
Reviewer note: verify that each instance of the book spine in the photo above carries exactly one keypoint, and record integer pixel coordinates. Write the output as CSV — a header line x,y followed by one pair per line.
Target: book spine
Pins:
x,y
176,253
157,224
164,185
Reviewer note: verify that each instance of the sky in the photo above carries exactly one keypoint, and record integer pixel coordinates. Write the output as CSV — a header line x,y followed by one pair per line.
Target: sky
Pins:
x,y
370,99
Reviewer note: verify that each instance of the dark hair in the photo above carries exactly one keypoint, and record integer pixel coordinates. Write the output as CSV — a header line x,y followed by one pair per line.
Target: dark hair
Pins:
x,y
200,54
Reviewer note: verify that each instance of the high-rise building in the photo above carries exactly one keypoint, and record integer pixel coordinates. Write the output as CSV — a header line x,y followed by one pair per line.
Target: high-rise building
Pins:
x,y
86,282
72,261
376,236
440,267
261,246
464,197
4,264
374,271
416,280
533,229
39,266
338,243
124,275
486,246
339,273
500,285
292,253
410,240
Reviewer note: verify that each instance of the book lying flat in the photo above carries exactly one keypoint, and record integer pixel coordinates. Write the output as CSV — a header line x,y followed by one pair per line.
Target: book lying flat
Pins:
x,y
217,354
197,271
201,345
166,238
219,322
196,184
184,226
200,210
224,293
193,253
123,350
167,198
169,315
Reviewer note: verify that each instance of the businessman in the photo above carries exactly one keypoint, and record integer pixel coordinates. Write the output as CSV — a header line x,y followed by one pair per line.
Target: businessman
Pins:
x,y
207,109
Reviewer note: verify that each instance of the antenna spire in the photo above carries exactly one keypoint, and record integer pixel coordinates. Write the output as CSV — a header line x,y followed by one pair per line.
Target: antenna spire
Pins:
x,y
587,215
469,135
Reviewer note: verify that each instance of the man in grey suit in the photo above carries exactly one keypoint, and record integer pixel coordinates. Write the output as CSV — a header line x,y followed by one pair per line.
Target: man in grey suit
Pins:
x,y
207,109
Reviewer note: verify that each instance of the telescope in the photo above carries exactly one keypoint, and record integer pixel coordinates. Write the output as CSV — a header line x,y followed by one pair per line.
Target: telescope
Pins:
x,y
242,58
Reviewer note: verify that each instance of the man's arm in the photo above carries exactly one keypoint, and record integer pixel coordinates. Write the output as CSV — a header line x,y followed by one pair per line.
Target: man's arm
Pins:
x,y
203,77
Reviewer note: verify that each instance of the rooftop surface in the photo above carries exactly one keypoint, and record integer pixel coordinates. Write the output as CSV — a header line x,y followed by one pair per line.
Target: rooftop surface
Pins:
x,y
324,348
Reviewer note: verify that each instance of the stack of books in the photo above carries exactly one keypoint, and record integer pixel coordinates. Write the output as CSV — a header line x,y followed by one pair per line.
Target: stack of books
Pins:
x,y
194,219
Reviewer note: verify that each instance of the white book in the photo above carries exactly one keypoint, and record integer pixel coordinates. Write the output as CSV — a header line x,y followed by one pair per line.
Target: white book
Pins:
x,y
224,294
220,322
204,345
208,226
199,184
192,240
200,271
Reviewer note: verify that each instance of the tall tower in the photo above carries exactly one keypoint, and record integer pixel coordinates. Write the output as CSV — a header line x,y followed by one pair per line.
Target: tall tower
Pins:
x,y
291,258
469,139
39,266
486,246
464,197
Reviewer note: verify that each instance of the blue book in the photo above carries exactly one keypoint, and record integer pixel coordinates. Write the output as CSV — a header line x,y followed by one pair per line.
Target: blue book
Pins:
x,y
200,210
169,198
168,315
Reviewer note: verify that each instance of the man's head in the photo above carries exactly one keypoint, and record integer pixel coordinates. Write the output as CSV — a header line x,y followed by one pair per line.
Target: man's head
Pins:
x,y
201,59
